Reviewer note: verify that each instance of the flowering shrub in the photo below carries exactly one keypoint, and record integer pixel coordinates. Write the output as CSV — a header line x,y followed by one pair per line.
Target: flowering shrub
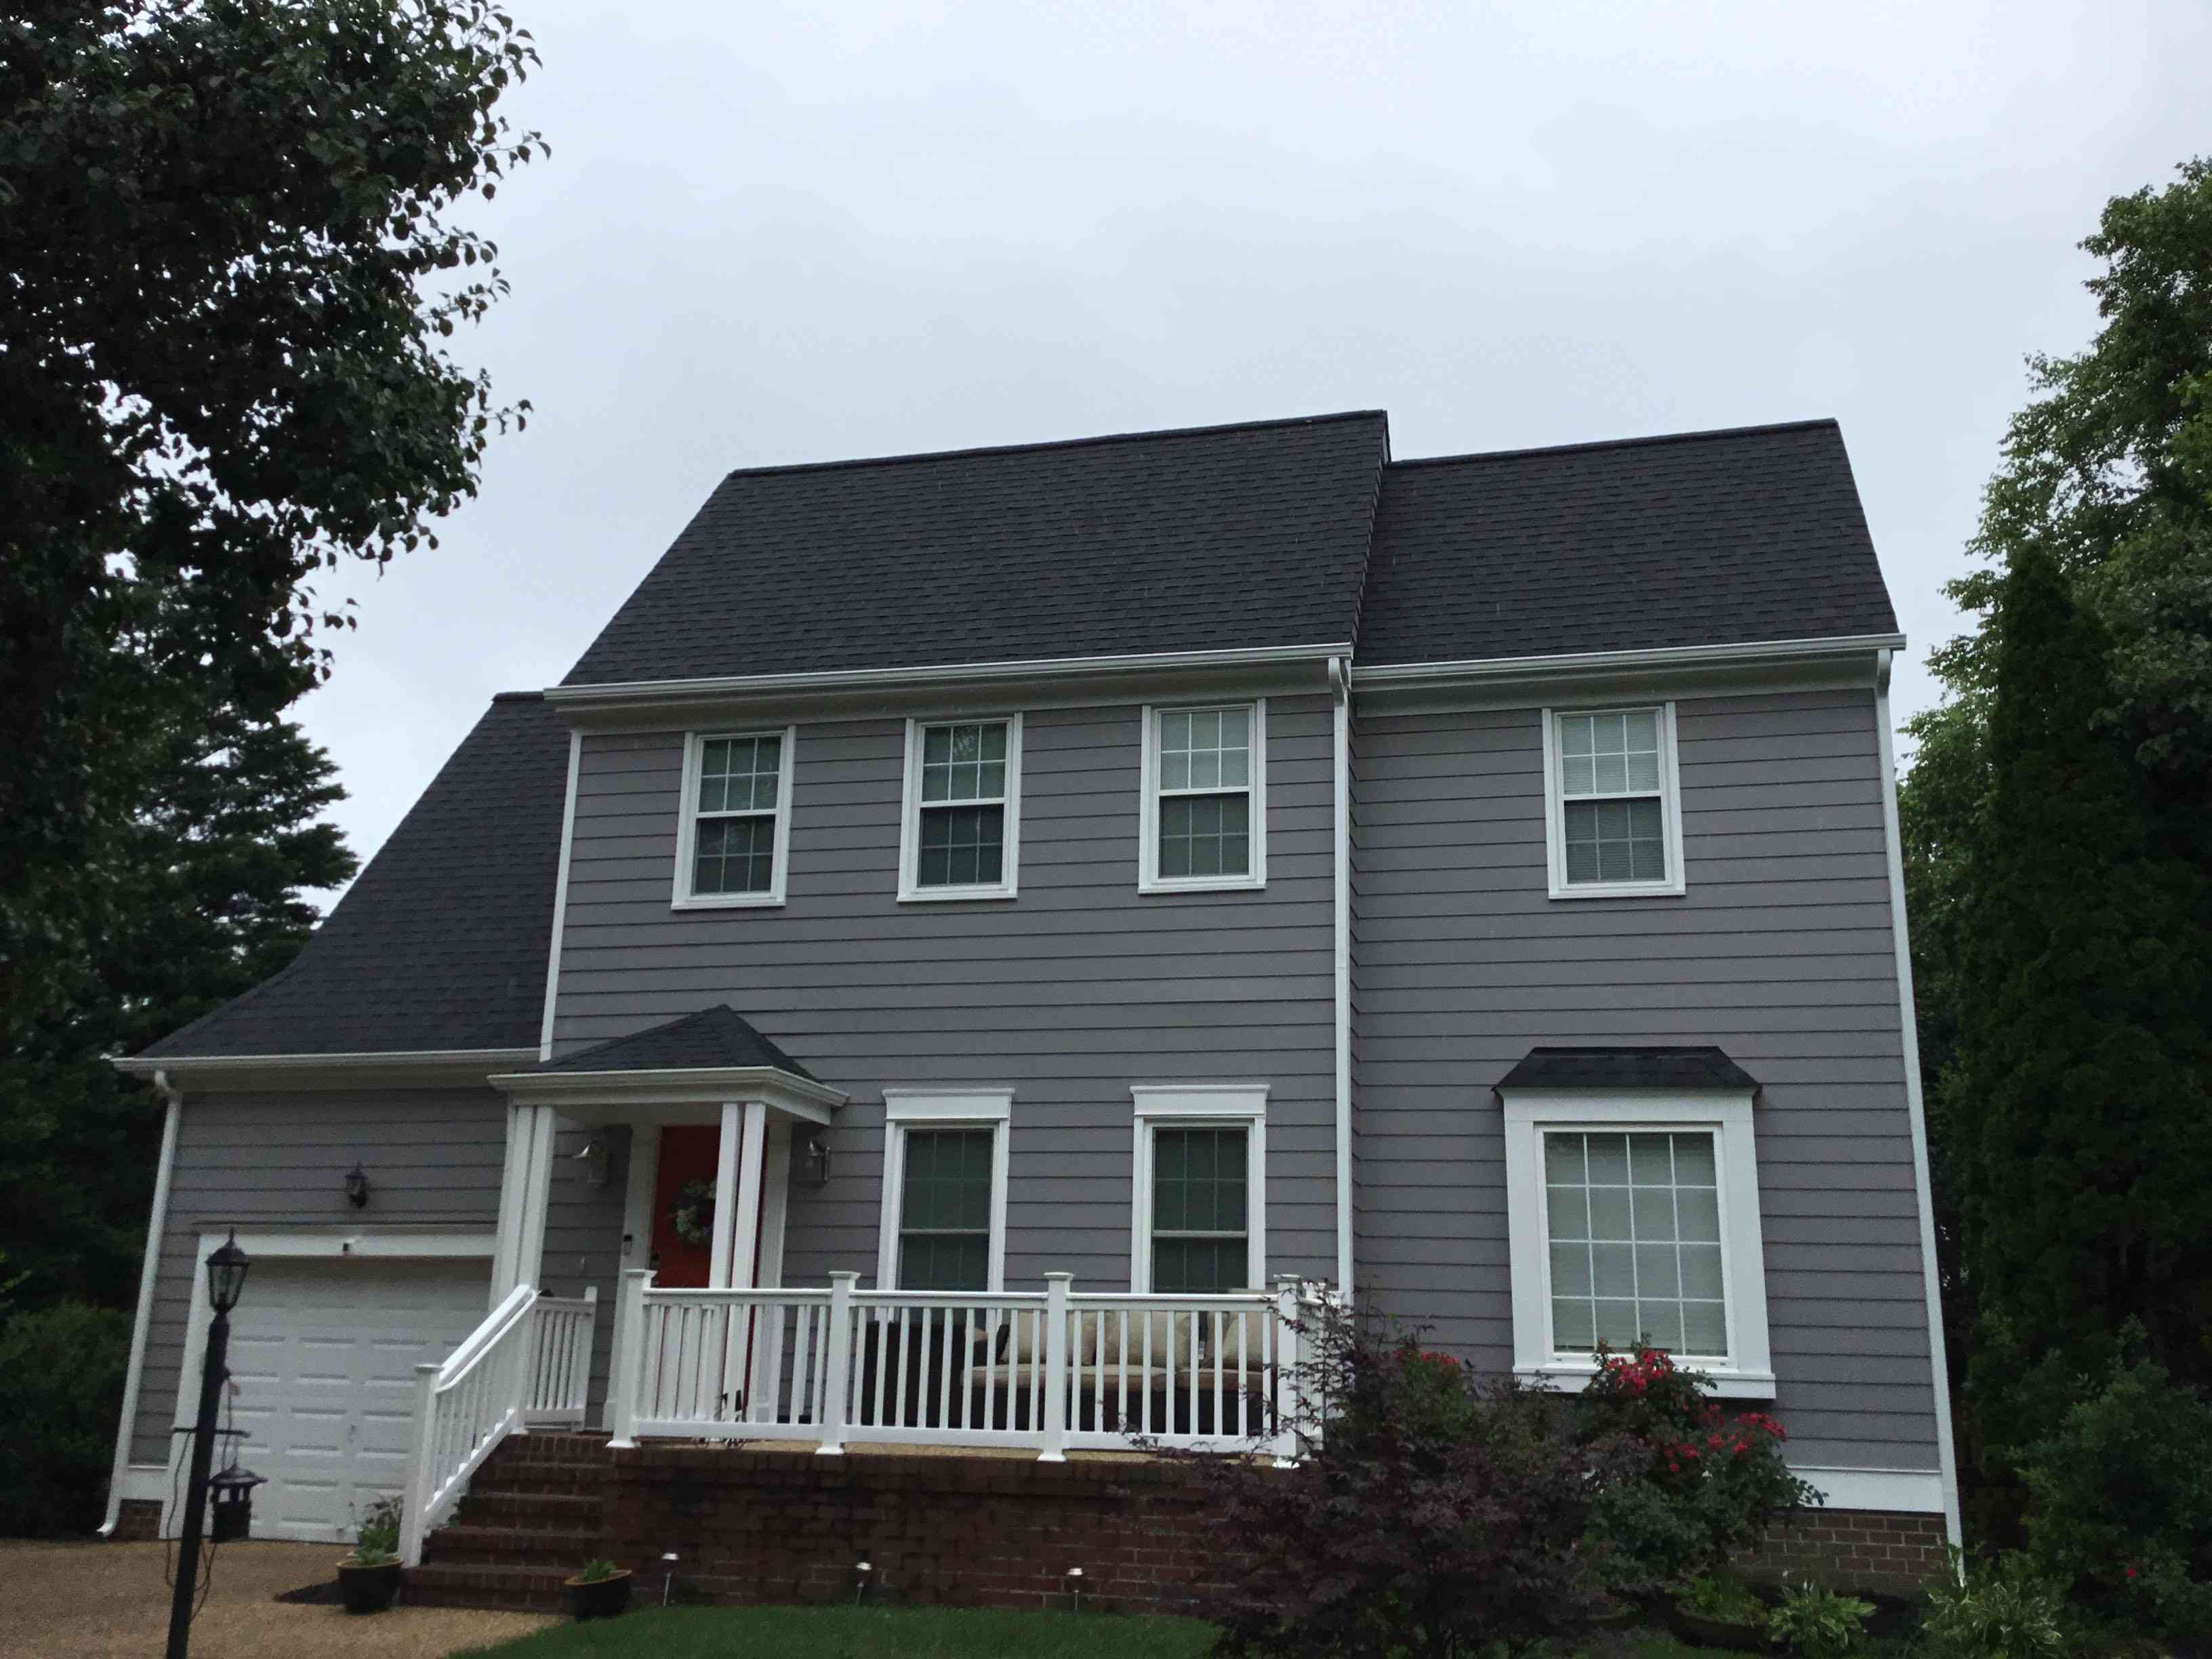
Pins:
x,y
1697,1483
2000,1609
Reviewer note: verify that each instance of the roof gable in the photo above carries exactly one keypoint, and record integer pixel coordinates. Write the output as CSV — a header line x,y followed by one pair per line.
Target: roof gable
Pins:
x,y
1664,1067
1212,538
713,1037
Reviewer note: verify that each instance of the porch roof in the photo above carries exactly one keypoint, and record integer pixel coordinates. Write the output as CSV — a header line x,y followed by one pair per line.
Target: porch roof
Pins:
x,y
1679,1067
682,1071
716,1036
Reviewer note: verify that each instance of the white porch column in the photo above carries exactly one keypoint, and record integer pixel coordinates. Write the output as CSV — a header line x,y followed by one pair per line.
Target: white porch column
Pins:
x,y
738,1195
524,1191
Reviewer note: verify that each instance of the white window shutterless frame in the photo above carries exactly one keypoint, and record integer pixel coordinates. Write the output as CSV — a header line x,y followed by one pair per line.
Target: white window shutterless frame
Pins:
x,y
928,1110
1241,1107
734,831
1613,810
962,807
1687,1204
1202,800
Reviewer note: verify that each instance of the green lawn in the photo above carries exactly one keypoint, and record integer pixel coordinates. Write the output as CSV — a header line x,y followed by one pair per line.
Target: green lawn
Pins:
x,y
887,1633
861,1633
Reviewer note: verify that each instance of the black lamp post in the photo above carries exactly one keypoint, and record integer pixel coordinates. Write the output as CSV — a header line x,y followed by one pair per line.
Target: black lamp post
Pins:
x,y
226,1269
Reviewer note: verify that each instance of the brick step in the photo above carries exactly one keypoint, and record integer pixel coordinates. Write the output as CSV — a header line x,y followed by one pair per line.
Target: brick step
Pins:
x,y
513,1546
555,1512
549,1479
473,1584
540,1445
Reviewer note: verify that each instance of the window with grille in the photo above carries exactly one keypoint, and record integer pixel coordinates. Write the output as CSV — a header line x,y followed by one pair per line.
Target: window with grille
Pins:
x,y
964,782
945,1209
1634,1228
1206,803
1200,1239
1611,811
735,829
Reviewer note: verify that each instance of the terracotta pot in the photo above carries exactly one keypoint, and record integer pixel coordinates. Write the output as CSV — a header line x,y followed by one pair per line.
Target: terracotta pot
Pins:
x,y
602,1598
369,1589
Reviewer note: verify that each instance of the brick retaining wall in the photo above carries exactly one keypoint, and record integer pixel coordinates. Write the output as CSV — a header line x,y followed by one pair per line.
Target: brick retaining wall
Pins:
x,y
1855,1549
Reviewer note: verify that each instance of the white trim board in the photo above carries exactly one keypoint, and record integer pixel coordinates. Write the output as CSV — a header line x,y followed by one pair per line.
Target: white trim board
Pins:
x,y
943,1108
402,1069
1149,880
1912,1492
149,1266
561,897
681,897
910,890
1748,1371
1199,1106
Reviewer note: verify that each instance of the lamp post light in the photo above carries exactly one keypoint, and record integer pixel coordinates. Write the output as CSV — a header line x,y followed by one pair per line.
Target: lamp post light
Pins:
x,y
226,1270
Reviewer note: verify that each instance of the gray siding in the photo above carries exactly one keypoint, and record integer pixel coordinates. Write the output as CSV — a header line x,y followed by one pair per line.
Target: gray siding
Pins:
x,y
1780,952
277,1159
1067,995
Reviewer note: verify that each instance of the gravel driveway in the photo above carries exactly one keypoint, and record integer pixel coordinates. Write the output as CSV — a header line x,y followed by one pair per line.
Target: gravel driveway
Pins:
x,y
79,1600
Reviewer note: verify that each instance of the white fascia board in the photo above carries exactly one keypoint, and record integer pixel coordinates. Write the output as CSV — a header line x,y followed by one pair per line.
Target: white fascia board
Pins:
x,y
1911,1491
634,1096
1512,681
948,1105
422,1068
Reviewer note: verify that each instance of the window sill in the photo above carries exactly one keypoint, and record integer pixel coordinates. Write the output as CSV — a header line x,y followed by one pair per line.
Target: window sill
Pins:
x,y
1609,890
729,901
1203,884
952,895
1572,1377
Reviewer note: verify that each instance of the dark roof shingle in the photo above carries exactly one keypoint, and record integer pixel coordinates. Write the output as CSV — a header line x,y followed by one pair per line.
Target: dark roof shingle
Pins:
x,y
440,943
713,1038
1662,1068
1212,539
1707,538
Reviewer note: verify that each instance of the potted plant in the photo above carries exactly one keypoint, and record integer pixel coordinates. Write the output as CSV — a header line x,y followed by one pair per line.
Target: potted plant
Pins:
x,y
600,1591
1715,1612
369,1579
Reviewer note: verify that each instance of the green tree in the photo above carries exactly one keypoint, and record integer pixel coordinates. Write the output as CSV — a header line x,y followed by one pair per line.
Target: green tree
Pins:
x,y
229,272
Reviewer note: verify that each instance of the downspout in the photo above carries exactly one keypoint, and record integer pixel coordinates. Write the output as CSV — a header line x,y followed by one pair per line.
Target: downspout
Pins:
x,y
1340,842
143,1317
1946,1452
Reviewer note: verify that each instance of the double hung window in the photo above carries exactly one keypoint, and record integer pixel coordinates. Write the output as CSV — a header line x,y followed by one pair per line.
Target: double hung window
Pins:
x,y
961,834
735,830
1204,798
1200,1196
943,1221
1611,810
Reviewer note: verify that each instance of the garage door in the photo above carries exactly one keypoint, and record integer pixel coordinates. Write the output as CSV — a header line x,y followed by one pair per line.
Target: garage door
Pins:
x,y
324,1353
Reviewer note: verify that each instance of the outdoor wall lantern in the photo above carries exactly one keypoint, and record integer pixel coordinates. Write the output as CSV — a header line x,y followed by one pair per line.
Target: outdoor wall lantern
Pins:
x,y
356,1188
232,1492
597,1162
812,1164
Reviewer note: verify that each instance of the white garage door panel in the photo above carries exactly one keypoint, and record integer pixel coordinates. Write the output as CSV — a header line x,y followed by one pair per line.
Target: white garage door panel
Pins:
x,y
323,1355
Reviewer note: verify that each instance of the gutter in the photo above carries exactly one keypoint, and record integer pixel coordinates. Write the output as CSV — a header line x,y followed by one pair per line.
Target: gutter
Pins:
x,y
1945,1449
1340,843
1679,656
156,1222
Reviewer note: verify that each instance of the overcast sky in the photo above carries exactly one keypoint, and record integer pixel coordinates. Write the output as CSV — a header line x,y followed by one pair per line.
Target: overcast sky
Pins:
x,y
771,234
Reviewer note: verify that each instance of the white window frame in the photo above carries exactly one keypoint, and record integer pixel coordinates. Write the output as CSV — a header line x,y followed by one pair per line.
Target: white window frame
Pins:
x,y
910,891
1201,1106
687,826
1149,879
1746,1372
943,1108
1670,807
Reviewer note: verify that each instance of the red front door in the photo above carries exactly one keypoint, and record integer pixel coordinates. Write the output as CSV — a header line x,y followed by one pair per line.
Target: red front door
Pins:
x,y
687,1153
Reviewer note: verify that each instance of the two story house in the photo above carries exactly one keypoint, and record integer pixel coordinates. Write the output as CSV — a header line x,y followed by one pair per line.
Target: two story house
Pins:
x,y
979,938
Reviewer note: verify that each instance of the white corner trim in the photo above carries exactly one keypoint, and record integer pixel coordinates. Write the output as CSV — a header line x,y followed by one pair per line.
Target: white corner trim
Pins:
x,y
1226,1101
929,1108
1199,1106
293,1243
1340,878
560,897
1912,1492
149,1268
910,890
681,897
948,1105
1917,1111
1149,879
1749,1365
1670,809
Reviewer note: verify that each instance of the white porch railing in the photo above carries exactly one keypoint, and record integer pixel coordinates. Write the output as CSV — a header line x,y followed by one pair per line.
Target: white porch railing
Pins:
x,y
1050,1371
529,1361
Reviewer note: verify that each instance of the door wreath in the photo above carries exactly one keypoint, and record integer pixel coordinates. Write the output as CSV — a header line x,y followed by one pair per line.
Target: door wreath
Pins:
x,y
693,1214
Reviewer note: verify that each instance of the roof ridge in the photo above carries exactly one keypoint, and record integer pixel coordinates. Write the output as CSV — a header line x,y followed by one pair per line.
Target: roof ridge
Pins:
x,y
1706,436
1101,438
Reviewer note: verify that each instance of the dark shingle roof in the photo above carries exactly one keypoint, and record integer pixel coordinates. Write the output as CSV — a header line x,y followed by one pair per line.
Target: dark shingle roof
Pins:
x,y
1707,538
715,1036
1683,1067
1212,539
440,943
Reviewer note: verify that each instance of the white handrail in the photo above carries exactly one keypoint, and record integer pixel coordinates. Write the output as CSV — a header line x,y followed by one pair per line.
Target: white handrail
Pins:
x,y
1048,1370
463,1409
